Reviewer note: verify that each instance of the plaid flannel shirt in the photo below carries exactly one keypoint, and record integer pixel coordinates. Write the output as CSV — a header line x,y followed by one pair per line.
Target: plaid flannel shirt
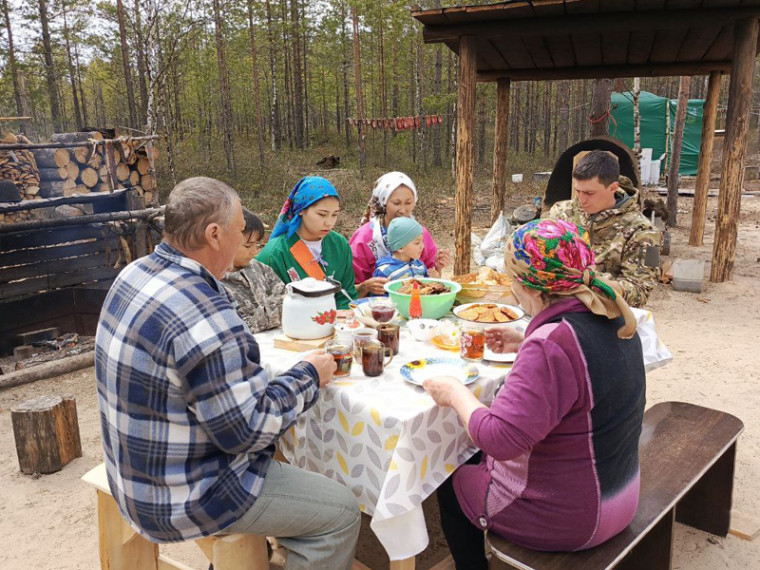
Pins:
x,y
188,415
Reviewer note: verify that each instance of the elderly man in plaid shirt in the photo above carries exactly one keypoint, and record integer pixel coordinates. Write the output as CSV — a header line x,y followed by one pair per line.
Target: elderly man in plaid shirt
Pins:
x,y
189,417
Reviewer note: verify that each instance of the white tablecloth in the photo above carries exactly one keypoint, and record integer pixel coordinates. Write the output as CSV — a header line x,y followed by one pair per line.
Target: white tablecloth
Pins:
x,y
388,441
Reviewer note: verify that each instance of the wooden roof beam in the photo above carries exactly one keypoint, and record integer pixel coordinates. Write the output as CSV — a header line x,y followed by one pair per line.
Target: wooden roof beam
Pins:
x,y
623,22
645,70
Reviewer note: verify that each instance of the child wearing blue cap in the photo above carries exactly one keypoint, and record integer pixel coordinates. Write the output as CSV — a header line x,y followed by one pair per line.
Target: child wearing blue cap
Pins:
x,y
406,242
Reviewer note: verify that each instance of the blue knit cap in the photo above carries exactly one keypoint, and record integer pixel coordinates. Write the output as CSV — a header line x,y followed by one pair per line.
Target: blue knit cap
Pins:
x,y
401,231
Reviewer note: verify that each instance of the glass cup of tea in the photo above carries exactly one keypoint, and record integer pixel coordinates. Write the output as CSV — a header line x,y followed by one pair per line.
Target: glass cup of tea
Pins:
x,y
374,354
360,338
342,352
382,309
388,334
472,342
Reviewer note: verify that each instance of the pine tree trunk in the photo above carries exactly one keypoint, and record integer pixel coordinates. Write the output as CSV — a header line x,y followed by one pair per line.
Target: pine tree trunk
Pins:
x,y
358,87
481,146
383,94
675,161
125,64
636,118
418,104
437,92
600,107
224,88
343,45
289,126
141,65
276,123
547,117
70,65
52,89
256,93
563,90
82,99
298,107
12,60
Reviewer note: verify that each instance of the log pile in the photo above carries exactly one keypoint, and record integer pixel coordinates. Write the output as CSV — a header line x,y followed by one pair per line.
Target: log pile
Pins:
x,y
19,167
96,166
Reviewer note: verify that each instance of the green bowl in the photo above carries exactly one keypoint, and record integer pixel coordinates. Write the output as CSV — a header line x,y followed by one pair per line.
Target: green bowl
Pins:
x,y
433,306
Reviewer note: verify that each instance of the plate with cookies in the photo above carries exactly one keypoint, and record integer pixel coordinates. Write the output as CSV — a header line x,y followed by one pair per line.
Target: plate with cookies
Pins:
x,y
487,315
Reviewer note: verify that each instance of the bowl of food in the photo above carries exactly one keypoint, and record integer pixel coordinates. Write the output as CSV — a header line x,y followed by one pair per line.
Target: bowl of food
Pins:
x,y
487,315
436,295
484,286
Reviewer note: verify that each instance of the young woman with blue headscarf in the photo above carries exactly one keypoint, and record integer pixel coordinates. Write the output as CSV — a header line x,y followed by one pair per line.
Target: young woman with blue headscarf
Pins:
x,y
303,244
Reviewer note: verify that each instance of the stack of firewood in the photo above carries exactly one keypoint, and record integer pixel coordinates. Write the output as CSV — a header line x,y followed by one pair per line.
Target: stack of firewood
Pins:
x,y
19,167
94,166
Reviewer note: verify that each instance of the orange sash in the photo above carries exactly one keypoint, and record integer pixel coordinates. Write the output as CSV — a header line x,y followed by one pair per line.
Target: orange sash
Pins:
x,y
306,260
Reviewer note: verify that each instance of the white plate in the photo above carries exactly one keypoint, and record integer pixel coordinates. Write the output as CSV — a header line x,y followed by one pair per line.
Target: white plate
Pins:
x,y
492,356
417,371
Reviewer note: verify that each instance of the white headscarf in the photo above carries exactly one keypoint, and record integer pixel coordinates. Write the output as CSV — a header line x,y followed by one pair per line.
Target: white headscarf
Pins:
x,y
384,187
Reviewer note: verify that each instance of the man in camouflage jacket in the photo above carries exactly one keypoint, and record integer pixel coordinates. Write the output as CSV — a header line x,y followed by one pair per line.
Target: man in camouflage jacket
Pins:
x,y
607,205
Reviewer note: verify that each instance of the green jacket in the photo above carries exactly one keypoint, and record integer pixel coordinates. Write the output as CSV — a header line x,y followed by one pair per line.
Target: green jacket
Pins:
x,y
619,237
336,254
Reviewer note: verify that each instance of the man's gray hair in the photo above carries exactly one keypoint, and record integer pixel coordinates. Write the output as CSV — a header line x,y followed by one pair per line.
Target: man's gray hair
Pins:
x,y
193,204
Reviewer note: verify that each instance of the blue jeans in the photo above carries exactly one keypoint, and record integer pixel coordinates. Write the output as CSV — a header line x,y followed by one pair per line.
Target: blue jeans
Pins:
x,y
315,518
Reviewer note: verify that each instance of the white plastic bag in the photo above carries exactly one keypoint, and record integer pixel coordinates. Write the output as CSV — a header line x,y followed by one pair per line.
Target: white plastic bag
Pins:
x,y
656,354
496,239
477,256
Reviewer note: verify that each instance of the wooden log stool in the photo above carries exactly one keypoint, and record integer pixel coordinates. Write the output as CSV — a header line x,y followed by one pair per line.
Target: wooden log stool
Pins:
x,y
46,433
121,548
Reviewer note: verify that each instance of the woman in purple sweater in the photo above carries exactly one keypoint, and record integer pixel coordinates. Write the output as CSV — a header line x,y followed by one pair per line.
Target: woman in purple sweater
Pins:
x,y
559,466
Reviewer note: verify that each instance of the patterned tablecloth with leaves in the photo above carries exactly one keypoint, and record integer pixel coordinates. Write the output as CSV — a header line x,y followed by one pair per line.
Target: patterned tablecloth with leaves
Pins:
x,y
389,442
385,439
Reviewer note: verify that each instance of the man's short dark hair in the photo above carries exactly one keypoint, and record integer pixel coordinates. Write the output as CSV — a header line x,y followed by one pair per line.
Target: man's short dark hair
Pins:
x,y
598,163
253,224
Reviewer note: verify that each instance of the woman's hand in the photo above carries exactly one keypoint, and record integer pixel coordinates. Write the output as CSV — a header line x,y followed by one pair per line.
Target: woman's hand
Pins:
x,y
441,260
433,272
373,285
501,340
443,389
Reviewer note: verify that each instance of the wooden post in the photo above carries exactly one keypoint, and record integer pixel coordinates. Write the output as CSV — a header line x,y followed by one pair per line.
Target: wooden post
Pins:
x,y
501,147
465,131
46,433
696,235
734,148
675,162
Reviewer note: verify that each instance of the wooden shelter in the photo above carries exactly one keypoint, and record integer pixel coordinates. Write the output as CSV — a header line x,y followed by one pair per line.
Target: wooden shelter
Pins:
x,y
523,40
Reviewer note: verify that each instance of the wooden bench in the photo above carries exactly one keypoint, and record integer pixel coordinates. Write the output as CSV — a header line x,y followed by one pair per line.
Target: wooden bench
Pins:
x,y
121,548
687,475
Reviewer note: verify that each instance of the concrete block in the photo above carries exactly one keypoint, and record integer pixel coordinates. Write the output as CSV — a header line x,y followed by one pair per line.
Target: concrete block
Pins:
x,y
688,275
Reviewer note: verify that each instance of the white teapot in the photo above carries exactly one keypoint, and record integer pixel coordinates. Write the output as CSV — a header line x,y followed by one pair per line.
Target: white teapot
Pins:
x,y
308,310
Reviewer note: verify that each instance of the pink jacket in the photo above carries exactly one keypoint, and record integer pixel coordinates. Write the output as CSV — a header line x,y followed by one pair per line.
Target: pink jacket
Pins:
x,y
364,259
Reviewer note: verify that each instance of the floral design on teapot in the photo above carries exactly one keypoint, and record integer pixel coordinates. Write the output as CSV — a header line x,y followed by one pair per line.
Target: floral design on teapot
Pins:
x,y
326,317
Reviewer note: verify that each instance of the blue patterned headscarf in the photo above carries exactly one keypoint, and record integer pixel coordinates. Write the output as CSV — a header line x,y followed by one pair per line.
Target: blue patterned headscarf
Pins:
x,y
307,192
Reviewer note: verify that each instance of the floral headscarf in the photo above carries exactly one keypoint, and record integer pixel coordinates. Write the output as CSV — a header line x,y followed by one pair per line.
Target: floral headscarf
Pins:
x,y
375,212
308,191
555,256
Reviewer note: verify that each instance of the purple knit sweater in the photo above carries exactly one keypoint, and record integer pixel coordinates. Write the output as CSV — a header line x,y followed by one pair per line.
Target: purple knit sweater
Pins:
x,y
560,464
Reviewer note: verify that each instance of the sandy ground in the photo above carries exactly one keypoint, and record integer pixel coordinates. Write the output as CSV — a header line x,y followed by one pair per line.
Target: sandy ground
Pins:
x,y
49,522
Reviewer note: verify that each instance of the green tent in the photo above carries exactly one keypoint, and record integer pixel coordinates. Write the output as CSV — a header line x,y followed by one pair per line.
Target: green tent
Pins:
x,y
654,112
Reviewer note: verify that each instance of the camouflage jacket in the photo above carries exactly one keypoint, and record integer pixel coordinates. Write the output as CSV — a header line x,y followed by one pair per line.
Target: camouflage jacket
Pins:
x,y
258,293
620,237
